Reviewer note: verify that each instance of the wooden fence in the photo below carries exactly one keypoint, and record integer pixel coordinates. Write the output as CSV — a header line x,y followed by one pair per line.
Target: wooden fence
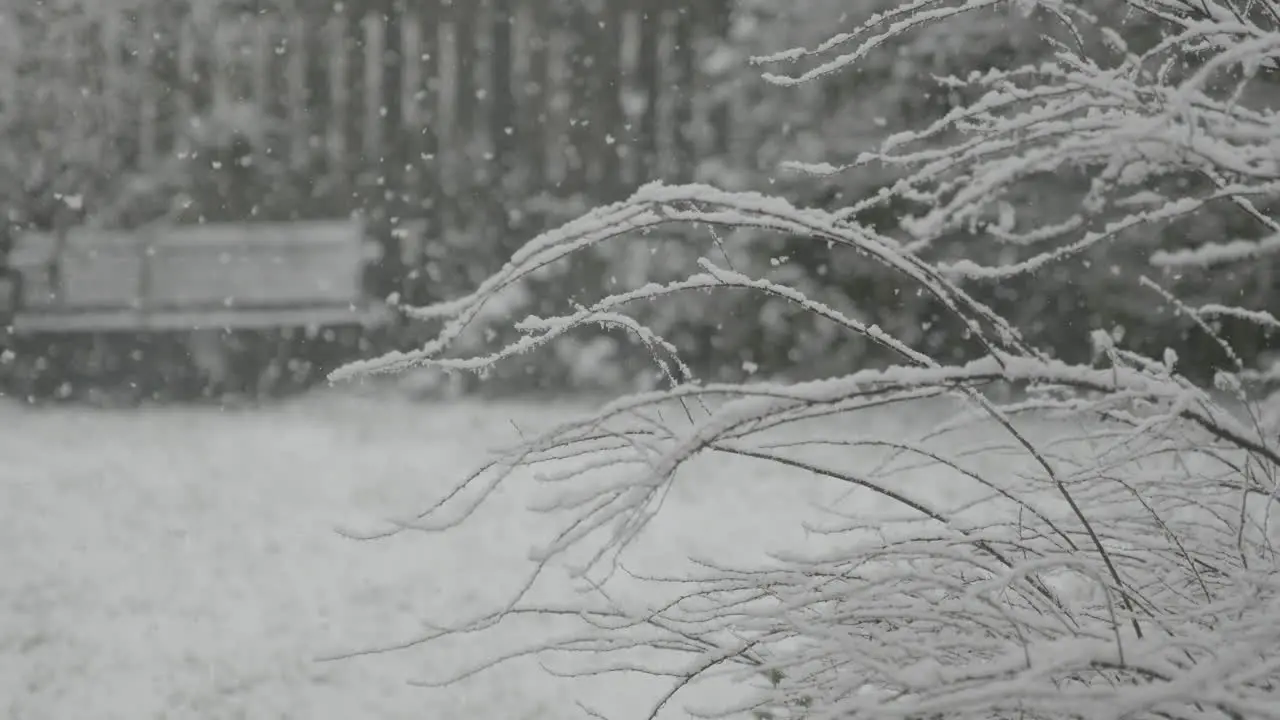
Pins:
x,y
437,110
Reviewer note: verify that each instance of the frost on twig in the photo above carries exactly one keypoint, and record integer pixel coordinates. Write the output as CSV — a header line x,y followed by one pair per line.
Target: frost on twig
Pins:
x,y
1114,554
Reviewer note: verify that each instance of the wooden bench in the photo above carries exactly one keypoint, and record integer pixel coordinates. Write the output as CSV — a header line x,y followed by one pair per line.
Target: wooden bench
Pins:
x,y
217,276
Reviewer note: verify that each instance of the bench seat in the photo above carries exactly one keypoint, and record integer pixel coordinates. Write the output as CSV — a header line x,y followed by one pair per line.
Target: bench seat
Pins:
x,y
225,275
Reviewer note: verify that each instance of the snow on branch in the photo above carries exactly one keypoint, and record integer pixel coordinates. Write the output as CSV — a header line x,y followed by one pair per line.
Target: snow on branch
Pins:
x,y
1200,102
1212,254
655,205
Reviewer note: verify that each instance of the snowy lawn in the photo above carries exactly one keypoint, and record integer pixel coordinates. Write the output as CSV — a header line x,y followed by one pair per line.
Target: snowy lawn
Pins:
x,y
185,563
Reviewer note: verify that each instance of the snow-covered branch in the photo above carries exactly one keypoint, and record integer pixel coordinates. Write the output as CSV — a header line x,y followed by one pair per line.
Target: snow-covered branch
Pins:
x,y
1108,550
1204,101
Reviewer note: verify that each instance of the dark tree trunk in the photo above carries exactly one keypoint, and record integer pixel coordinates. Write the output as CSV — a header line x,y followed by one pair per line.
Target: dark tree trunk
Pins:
x,y
537,95
649,77
685,58
609,117
502,120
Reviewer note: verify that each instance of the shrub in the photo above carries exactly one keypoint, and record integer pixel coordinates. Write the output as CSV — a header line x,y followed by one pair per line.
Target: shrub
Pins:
x,y
1113,556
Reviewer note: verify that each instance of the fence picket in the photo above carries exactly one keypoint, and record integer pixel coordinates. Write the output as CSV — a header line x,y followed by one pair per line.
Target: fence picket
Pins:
x,y
374,28
144,57
188,81
339,95
300,131
461,105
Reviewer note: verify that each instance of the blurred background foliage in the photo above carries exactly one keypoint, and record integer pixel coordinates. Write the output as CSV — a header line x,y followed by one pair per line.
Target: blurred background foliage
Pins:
x,y
646,91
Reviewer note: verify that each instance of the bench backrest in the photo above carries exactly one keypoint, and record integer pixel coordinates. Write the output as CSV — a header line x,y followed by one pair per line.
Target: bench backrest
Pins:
x,y
226,265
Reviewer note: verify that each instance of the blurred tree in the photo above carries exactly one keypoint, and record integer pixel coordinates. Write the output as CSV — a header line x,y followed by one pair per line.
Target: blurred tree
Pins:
x,y
836,121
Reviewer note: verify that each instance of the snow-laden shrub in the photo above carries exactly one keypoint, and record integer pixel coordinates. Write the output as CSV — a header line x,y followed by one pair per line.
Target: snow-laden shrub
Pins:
x,y
1111,554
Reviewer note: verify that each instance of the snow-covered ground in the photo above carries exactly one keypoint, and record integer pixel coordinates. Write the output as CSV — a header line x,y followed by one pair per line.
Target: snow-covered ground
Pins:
x,y
185,562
